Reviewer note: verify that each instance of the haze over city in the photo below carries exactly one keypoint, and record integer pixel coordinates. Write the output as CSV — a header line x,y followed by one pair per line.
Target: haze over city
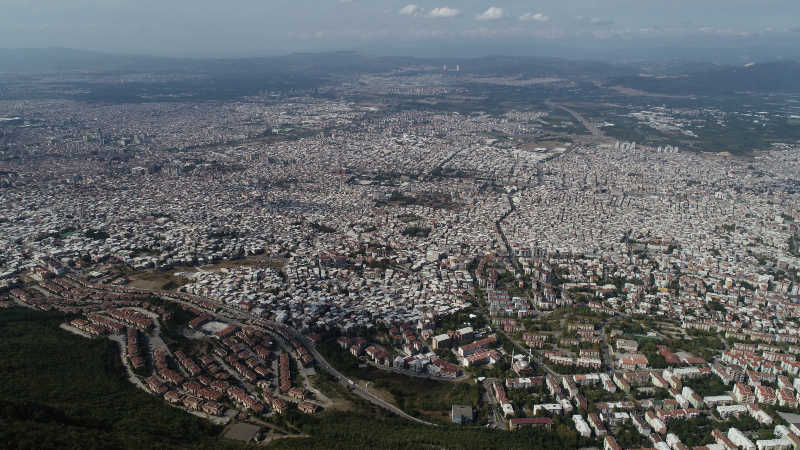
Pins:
x,y
622,29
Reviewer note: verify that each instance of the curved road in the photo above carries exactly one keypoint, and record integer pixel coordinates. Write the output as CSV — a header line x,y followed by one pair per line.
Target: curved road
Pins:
x,y
273,327
352,386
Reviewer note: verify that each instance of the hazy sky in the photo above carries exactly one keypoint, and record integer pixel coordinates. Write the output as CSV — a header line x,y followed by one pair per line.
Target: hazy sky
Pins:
x,y
260,27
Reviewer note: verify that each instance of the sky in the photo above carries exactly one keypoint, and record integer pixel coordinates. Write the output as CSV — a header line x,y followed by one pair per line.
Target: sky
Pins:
x,y
577,28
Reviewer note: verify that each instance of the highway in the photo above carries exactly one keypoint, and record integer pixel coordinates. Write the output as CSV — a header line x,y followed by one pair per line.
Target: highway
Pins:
x,y
355,388
595,131
240,319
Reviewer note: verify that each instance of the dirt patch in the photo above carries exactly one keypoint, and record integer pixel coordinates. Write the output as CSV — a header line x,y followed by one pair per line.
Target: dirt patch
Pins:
x,y
168,280
156,280
272,436
340,404
334,391
244,432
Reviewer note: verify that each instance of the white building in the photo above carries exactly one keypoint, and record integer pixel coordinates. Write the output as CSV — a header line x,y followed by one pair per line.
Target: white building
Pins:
x,y
774,444
552,408
726,411
715,400
581,426
738,438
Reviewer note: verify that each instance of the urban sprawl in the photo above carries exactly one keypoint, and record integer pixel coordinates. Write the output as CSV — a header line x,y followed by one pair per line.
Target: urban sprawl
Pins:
x,y
619,287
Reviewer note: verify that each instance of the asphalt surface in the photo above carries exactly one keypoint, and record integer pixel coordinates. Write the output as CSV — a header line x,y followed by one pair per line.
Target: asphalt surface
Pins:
x,y
243,320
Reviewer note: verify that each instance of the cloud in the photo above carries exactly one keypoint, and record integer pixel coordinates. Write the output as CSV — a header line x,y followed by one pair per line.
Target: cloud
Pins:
x,y
724,32
410,10
595,21
538,17
444,11
493,13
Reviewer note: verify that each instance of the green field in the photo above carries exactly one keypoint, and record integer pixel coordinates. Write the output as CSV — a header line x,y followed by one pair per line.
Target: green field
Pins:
x,y
58,390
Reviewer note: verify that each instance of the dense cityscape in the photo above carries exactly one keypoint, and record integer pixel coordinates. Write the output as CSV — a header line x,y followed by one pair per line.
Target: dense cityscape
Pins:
x,y
301,252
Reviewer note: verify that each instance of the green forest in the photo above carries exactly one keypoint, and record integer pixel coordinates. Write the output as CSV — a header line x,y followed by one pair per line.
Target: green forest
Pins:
x,y
357,430
58,390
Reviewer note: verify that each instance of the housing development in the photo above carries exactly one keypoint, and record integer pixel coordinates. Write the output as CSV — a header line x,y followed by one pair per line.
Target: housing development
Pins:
x,y
283,252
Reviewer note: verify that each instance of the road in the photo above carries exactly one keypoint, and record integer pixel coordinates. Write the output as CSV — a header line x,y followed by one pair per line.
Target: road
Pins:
x,y
524,350
119,339
502,234
496,417
324,365
240,319
122,353
322,400
596,132
443,162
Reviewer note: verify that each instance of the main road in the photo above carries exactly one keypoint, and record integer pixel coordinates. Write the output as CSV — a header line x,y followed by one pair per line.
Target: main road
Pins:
x,y
594,130
363,393
240,319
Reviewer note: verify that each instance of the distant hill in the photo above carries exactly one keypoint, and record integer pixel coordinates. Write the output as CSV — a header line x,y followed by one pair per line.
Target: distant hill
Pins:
x,y
233,77
65,59
312,64
774,77
225,78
